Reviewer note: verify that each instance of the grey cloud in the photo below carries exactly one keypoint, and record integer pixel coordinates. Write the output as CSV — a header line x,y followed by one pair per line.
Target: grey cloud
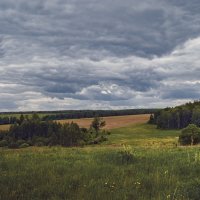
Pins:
x,y
181,94
153,29
98,54
6,105
185,91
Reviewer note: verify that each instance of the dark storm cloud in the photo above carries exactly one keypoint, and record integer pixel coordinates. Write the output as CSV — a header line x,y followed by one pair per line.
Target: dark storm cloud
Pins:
x,y
122,28
98,54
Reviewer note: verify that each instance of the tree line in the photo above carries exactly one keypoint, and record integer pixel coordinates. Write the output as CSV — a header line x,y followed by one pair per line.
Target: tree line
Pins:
x,y
72,114
178,117
8,120
76,114
35,132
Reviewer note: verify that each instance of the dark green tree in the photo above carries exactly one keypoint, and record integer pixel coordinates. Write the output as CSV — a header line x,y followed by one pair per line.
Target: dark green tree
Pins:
x,y
97,124
196,116
190,135
21,119
151,119
35,117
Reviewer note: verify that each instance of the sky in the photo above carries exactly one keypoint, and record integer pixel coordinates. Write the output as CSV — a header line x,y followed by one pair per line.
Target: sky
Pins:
x,y
91,54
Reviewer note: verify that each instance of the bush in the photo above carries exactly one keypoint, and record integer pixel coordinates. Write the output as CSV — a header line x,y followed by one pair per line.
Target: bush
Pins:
x,y
20,142
108,132
84,130
2,134
81,143
100,139
105,132
3,143
13,145
24,145
192,189
190,135
41,141
30,142
127,155
39,144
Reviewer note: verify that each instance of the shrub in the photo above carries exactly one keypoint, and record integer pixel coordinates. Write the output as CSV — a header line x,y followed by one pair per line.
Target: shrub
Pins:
x,y
30,142
39,144
19,142
3,143
24,145
13,145
190,135
2,134
97,124
127,155
192,189
41,141
105,132
151,119
108,132
84,130
99,139
81,143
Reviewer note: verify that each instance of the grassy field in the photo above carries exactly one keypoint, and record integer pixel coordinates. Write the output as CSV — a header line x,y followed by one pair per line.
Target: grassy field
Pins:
x,y
138,162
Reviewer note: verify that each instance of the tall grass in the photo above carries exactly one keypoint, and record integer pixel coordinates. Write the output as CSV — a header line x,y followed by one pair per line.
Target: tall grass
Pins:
x,y
104,172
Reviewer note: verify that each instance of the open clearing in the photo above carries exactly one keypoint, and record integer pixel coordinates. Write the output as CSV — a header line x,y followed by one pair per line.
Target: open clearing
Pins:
x,y
150,166
111,122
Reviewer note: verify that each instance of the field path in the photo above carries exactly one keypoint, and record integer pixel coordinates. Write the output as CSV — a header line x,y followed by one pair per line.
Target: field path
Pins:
x,y
111,122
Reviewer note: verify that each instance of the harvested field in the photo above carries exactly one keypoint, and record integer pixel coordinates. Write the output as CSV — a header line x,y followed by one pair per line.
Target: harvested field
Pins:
x,y
4,127
111,122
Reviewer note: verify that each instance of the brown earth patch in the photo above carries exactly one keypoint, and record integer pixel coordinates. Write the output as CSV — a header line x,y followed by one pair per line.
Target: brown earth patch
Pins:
x,y
111,122
4,127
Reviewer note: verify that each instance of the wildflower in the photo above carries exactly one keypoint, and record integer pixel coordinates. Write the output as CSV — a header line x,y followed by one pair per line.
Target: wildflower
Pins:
x,y
137,183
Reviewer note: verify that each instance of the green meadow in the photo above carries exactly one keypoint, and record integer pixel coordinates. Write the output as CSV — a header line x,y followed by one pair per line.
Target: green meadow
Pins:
x,y
138,162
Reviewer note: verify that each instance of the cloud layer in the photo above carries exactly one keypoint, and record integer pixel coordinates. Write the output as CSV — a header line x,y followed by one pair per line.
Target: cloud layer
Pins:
x,y
57,54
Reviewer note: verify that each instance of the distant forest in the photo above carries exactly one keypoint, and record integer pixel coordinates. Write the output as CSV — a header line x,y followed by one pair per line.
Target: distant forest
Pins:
x,y
178,117
34,132
11,118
